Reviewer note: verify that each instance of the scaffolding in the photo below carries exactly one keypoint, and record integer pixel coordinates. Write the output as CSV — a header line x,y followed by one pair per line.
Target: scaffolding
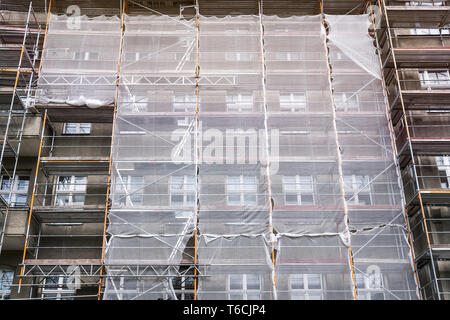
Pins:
x,y
414,44
251,157
18,70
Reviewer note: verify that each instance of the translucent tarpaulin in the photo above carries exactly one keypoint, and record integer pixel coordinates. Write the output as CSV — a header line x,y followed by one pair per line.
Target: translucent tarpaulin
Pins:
x,y
271,168
80,60
381,254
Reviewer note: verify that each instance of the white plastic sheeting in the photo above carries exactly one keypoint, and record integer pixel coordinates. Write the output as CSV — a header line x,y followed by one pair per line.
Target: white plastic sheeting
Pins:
x,y
263,94
80,61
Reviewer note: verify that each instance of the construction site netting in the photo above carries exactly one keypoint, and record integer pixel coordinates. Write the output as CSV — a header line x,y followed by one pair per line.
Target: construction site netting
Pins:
x,y
79,65
252,153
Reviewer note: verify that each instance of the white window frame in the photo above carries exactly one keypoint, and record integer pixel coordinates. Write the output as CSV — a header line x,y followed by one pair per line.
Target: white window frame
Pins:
x,y
242,191
132,56
15,190
137,103
80,128
59,290
85,56
354,189
184,103
6,281
240,102
244,292
238,56
299,188
345,104
182,292
289,56
129,192
293,104
187,190
370,284
73,190
419,30
307,293
443,164
56,53
427,80
424,3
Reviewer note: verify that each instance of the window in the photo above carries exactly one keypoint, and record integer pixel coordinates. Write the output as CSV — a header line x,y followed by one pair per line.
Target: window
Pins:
x,y
132,56
136,103
70,191
240,102
370,284
19,190
56,288
336,55
293,102
289,56
184,103
431,79
346,102
84,55
182,190
443,164
298,190
241,190
76,128
425,3
55,53
305,287
357,189
6,280
238,56
418,30
244,287
129,190
184,287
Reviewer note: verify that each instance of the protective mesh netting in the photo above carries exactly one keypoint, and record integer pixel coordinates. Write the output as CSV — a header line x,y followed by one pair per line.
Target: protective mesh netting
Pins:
x,y
193,171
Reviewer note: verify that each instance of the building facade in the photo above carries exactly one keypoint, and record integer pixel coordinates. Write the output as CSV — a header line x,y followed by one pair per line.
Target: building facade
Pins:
x,y
262,151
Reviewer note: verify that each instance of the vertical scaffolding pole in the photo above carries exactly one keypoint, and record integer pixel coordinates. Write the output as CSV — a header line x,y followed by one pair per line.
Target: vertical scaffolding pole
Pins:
x,y
394,147
10,115
108,185
266,131
339,158
196,149
27,237
408,136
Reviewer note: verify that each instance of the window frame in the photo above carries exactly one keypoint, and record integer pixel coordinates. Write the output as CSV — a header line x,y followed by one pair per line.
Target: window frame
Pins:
x,y
357,192
290,106
78,127
59,290
298,190
15,191
443,165
71,192
242,192
183,290
242,104
188,103
345,104
426,82
127,199
306,292
244,292
5,286
184,191
366,292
